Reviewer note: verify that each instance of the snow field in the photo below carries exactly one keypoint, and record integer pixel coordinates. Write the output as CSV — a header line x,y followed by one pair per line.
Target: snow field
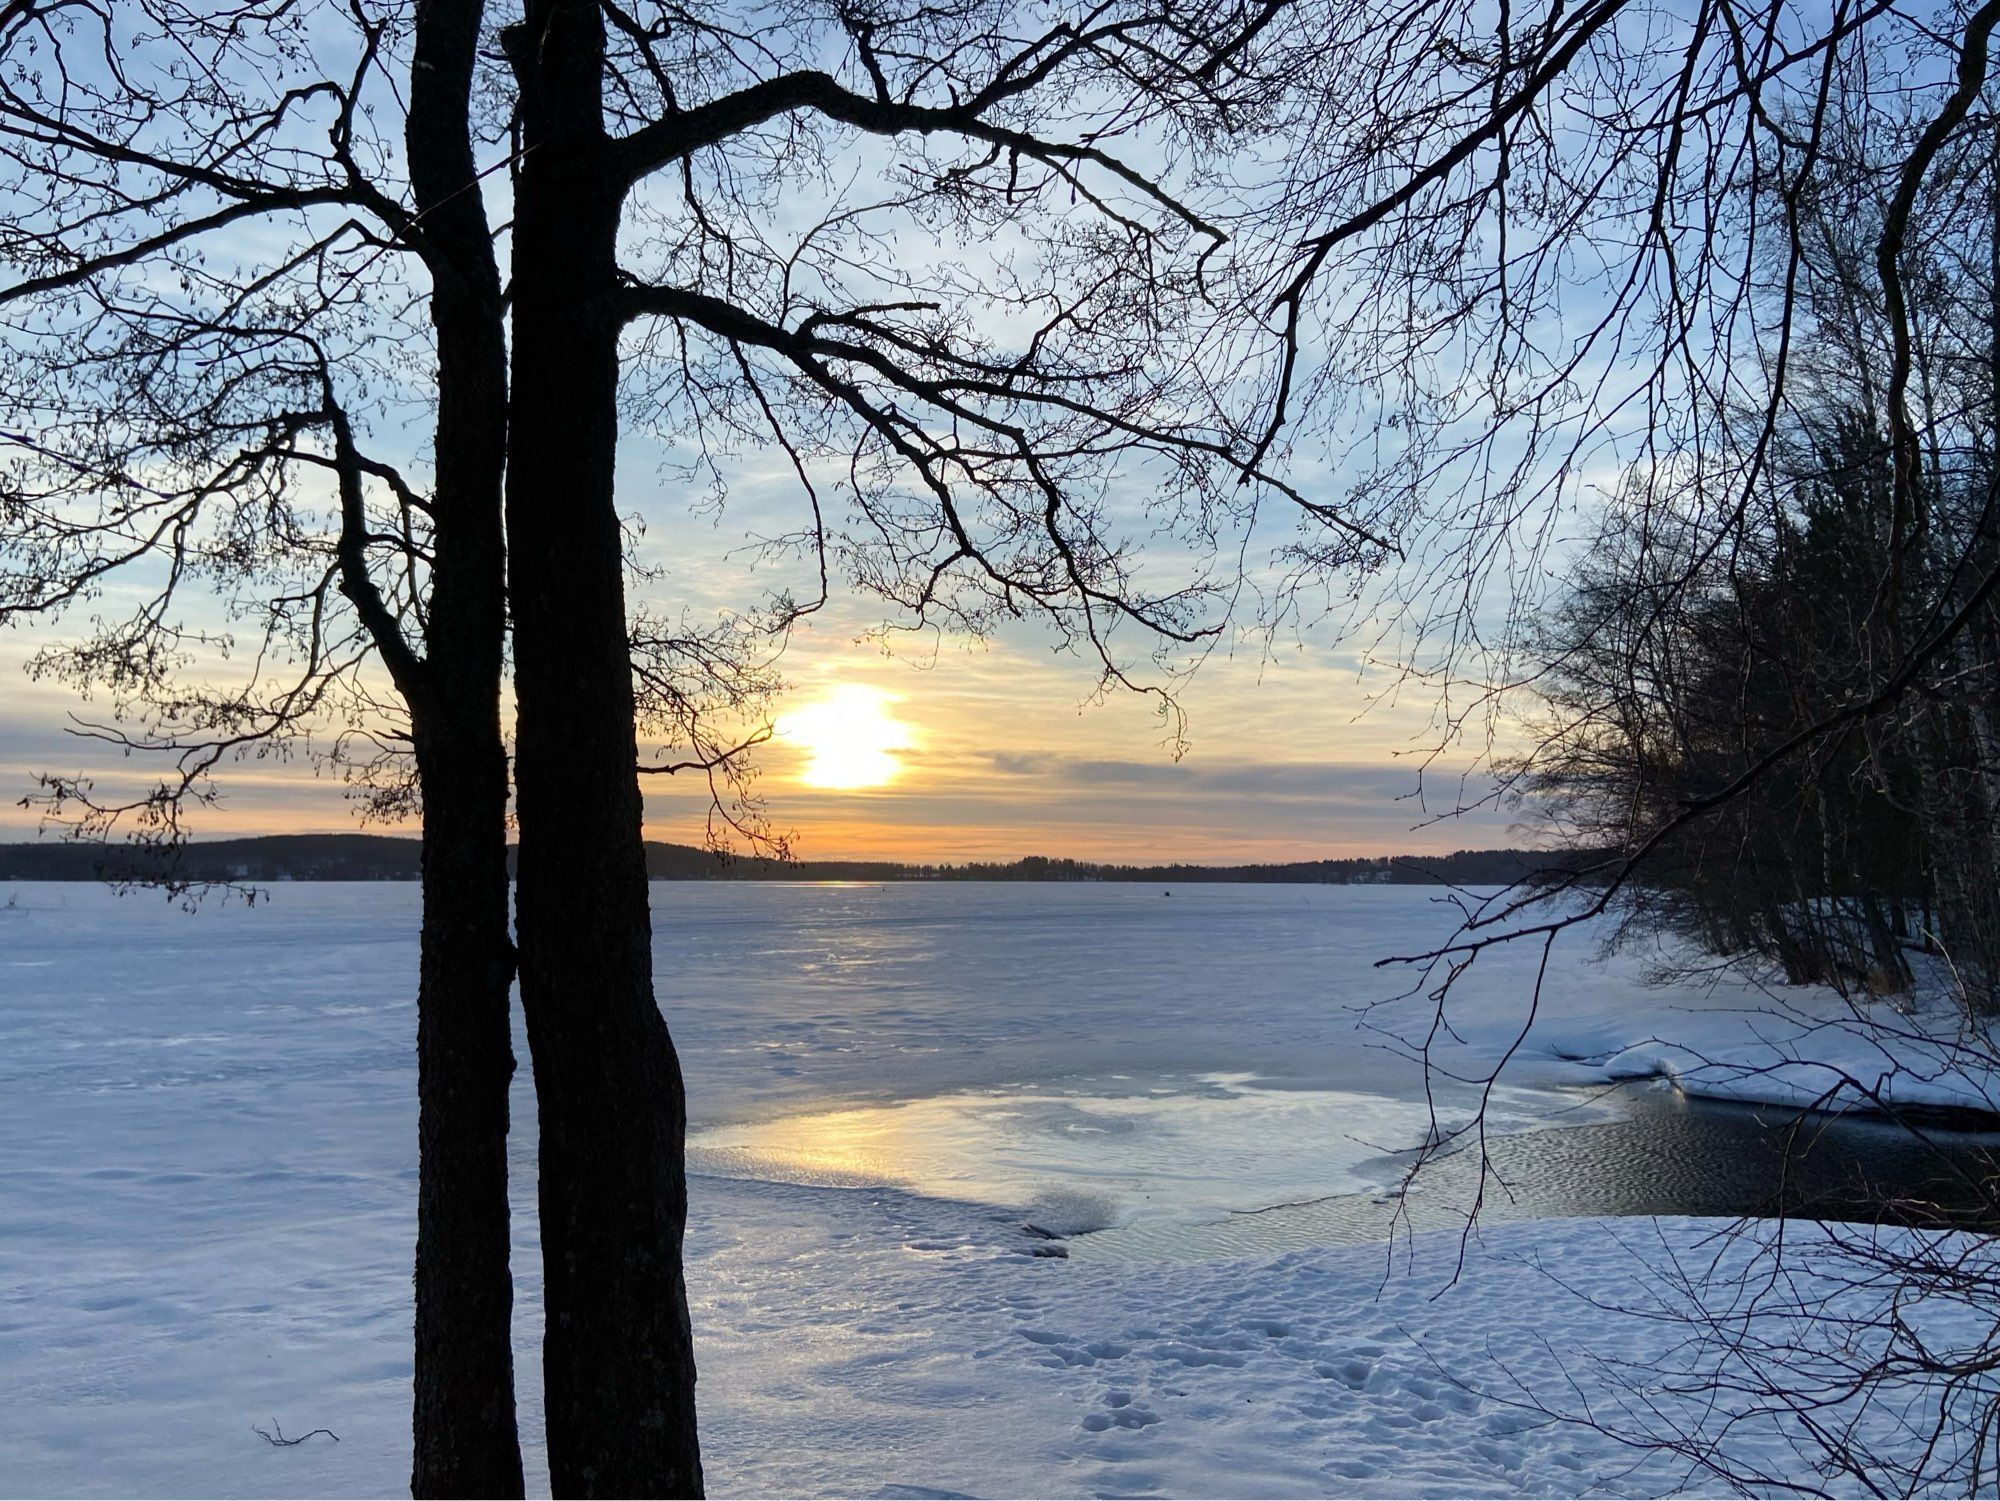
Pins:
x,y
864,1343
207,1186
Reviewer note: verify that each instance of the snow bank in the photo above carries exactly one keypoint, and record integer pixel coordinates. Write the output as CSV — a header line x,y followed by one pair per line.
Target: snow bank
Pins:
x,y
1735,1038
1733,1034
1832,1062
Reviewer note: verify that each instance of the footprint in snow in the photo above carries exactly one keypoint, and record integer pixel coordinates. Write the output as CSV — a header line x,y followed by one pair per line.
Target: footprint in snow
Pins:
x,y
1124,1413
1349,1373
1194,1355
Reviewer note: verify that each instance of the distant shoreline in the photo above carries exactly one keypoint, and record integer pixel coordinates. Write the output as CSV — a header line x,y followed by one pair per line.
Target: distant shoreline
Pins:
x,y
379,857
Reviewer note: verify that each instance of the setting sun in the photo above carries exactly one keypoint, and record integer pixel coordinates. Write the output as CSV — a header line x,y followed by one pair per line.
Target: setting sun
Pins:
x,y
851,737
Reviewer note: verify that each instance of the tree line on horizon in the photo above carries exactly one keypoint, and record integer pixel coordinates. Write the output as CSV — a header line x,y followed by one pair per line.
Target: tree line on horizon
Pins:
x,y
365,857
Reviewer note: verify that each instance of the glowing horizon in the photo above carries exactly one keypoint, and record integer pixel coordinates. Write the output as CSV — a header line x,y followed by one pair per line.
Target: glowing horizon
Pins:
x,y
979,751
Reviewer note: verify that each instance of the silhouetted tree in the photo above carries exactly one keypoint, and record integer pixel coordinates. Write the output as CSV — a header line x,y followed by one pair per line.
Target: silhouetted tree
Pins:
x,y
899,244
205,213
1690,646
1830,864
1736,267
682,234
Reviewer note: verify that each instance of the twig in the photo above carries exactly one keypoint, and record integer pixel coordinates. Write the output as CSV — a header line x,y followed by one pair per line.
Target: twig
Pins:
x,y
277,1440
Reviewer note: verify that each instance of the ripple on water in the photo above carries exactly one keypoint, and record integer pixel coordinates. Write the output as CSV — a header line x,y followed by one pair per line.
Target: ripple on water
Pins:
x,y
1671,1154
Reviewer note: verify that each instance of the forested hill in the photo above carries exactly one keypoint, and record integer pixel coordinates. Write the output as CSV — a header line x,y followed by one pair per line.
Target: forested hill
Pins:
x,y
375,857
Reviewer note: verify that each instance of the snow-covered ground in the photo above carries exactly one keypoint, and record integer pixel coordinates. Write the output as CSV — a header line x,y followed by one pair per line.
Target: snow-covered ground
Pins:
x,y
1808,1048
207,1129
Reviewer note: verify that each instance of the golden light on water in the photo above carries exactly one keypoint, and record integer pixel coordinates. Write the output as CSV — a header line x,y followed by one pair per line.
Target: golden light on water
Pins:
x,y
850,738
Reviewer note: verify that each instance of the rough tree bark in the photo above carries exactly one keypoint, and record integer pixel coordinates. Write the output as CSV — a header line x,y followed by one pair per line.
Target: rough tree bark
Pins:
x,y
618,1357
466,1443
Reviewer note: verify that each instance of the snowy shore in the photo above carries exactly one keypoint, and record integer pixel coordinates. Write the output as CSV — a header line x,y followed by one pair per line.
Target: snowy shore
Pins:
x,y
872,1343
1734,1037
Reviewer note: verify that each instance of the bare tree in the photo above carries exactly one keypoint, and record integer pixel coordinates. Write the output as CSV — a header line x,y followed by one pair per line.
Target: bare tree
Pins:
x,y
1570,250
737,227
224,265
726,223
975,271
1732,268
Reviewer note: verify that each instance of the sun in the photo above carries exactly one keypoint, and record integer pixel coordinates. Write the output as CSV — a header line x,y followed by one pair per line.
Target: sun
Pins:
x,y
850,737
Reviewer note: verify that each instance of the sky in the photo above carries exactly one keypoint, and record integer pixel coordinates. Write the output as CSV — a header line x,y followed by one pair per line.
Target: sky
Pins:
x,y
927,748
923,748
938,748
955,751
997,751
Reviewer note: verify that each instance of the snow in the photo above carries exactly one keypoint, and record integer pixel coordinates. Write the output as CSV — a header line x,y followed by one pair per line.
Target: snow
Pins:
x,y
1740,1035
948,1361
207,1183
1816,1052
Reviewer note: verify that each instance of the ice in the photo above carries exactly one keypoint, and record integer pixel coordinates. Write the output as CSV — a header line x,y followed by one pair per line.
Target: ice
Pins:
x,y
207,1186
1090,1154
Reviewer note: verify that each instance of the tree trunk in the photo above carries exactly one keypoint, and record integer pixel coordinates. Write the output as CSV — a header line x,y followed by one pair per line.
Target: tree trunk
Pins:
x,y
618,1358
466,1442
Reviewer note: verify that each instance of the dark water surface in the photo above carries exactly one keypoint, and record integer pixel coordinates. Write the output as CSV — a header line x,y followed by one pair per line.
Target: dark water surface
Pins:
x,y
1672,1155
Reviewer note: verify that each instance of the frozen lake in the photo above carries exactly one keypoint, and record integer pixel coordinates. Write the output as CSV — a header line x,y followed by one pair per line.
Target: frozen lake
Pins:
x,y
1087,1053
207,1145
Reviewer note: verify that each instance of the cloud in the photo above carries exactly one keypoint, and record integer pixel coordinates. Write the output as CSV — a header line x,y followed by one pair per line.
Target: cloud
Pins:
x,y
1010,803
1323,783
1023,763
